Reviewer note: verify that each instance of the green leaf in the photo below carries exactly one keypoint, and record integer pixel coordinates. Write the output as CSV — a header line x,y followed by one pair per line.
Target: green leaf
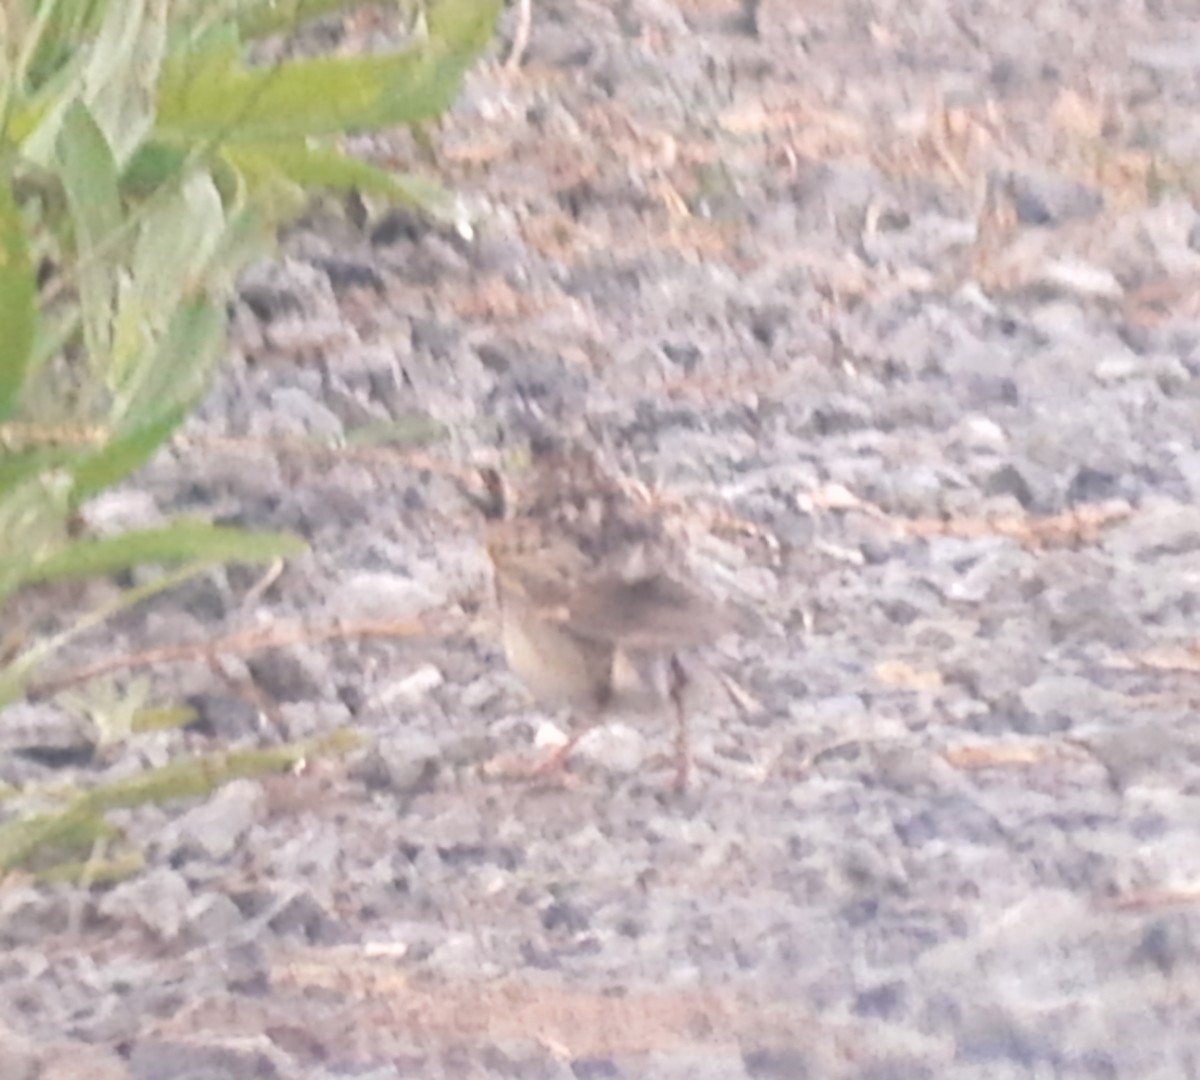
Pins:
x,y
19,464
80,824
121,455
132,333
278,197
18,311
182,541
323,96
248,236
33,524
35,119
165,718
201,775
312,167
154,165
58,329
72,830
56,35
175,244
89,177
463,26
176,373
122,71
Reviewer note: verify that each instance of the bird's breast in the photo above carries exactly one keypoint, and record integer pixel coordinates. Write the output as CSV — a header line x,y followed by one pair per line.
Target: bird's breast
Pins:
x,y
557,667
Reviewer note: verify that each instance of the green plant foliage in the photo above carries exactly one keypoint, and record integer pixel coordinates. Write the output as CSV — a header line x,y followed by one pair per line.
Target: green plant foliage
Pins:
x,y
145,158
180,542
43,841
89,179
15,673
18,309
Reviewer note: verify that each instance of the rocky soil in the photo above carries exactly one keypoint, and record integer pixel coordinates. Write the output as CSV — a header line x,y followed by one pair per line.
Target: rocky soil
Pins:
x,y
897,306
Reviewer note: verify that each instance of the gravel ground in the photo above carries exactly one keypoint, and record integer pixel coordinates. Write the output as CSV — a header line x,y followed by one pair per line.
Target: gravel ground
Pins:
x,y
899,305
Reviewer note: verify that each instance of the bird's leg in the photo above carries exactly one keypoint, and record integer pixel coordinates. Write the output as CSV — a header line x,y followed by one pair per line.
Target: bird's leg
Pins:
x,y
676,687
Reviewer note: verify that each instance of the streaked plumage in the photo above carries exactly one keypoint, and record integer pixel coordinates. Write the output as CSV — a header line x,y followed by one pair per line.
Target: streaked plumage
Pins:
x,y
594,594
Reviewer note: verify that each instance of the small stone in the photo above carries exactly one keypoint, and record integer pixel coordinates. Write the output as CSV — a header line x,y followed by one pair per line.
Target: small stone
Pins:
x,y
550,735
1172,56
216,827
371,595
595,1069
295,674
480,693
296,412
273,289
1056,703
868,869
158,900
153,1059
395,773
1090,485
1009,480
346,273
1081,279
308,719
213,918
45,734
28,916
977,432
1160,528
246,968
1047,199
305,919
1114,369
1139,752
412,687
78,1063
434,337
778,1063
116,511
992,573
1169,942
223,716
615,747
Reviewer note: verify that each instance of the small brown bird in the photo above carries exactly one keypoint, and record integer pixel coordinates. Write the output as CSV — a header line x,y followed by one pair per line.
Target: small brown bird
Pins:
x,y
594,597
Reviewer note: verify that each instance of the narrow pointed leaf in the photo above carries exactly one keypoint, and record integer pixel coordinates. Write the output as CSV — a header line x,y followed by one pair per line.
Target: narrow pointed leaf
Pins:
x,y
300,98
89,176
122,71
176,374
121,455
183,541
463,26
18,311
319,167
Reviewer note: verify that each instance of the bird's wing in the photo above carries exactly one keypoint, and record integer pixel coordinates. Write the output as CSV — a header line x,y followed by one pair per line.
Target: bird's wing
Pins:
x,y
539,578
654,612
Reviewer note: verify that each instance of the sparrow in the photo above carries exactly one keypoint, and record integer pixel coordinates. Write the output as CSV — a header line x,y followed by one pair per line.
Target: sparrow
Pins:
x,y
594,597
